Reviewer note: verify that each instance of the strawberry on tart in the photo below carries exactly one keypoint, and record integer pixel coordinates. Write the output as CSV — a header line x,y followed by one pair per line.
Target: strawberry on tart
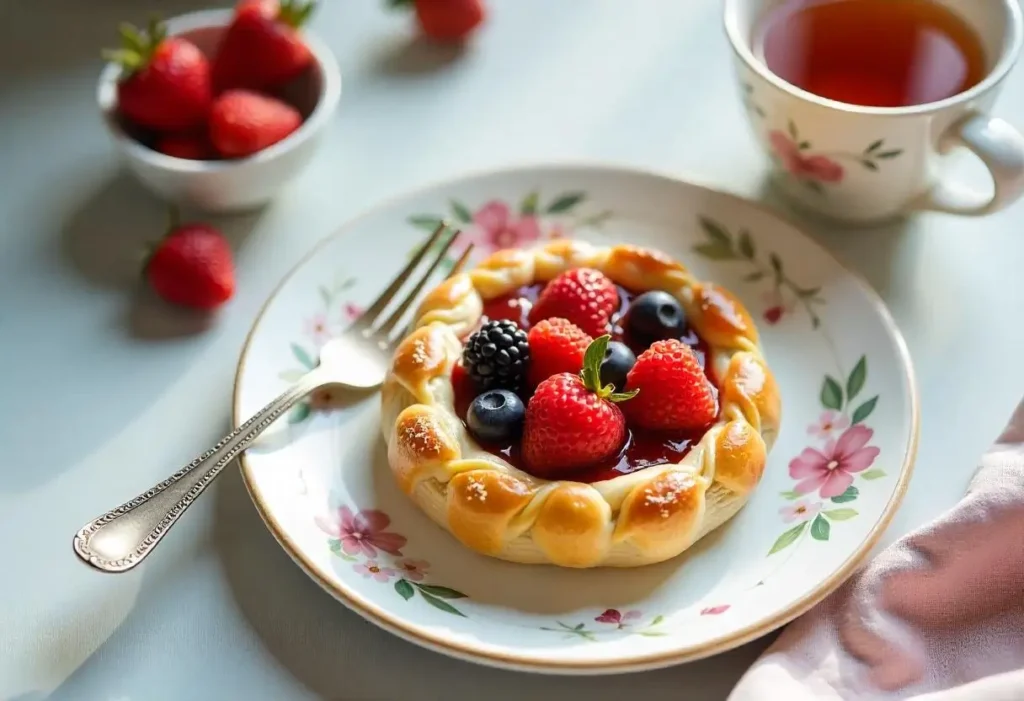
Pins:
x,y
580,406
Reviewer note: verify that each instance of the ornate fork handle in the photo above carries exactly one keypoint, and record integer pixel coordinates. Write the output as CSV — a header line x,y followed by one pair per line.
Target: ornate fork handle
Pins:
x,y
120,539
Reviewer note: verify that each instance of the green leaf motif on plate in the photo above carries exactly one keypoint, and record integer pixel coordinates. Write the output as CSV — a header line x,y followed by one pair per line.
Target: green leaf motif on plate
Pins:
x,y
657,620
529,204
325,295
788,538
461,212
302,356
291,375
864,410
875,474
299,413
715,251
441,592
746,245
831,394
855,382
427,222
404,589
565,202
820,528
840,514
754,276
440,604
890,154
715,232
790,495
849,495
875,145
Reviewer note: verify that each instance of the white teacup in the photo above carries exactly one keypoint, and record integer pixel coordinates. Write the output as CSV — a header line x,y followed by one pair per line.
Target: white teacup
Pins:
x,y
871,163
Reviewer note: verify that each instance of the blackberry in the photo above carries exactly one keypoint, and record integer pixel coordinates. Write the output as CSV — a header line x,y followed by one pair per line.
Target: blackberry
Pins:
x,y
496,356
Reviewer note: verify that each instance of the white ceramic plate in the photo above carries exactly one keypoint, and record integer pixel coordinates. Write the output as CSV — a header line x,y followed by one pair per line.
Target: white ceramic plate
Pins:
x,y
833,480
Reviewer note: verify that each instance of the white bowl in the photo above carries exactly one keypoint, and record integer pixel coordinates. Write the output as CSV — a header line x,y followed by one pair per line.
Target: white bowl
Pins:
x,y
229,185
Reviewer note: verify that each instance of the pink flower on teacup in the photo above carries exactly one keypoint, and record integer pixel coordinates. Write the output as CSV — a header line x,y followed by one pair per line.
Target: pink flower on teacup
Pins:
x,y
830,471
817,167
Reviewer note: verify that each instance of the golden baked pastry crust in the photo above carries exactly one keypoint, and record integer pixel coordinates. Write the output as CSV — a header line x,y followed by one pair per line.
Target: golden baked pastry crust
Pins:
x,y
635,519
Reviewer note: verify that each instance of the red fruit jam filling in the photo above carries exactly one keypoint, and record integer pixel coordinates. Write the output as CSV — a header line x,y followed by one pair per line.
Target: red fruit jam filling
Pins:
x,y
642,449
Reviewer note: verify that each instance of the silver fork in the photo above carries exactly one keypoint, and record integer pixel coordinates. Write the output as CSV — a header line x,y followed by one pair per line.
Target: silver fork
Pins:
x,y
122,538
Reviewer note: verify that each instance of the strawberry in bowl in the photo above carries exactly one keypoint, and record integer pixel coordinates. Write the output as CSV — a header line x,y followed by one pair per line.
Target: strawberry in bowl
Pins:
x,y
220,109
635,418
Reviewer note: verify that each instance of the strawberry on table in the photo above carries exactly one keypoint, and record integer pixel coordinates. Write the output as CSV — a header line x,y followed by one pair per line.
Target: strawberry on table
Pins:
x,y
674,392
192,267
584,296
165,83
244,122
446,20
556,345
262,48
572,421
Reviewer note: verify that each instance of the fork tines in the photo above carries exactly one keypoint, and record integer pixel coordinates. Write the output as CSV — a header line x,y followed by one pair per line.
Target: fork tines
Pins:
x,y
367,322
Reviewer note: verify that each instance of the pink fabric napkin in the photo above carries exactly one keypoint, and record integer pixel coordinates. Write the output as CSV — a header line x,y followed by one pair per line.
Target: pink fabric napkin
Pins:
x,y
937,616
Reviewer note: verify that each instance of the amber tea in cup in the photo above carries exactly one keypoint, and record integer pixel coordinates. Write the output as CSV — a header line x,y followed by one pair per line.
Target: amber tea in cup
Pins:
x,y
877,53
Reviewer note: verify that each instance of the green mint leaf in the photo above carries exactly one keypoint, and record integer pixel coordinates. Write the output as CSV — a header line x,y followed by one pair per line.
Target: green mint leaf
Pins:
x,y
592,360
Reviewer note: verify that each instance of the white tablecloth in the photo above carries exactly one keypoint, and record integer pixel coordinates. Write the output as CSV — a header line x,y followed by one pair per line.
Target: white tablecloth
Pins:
x,y
101,396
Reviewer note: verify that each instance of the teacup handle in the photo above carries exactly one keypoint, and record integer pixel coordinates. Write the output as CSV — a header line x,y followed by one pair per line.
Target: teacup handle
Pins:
x,y
1001,147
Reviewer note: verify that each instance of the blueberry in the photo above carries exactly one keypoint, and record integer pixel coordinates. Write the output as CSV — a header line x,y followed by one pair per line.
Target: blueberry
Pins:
x,y
618,361
496,416
655,316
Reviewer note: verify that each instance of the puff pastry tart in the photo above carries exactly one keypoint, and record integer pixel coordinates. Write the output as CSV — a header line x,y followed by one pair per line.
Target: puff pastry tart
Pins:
x,y
580,406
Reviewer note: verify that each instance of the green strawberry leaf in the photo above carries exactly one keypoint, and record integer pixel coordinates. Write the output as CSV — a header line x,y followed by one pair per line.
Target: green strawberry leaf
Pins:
x,y
441,592
855,382
849,495
840,514
831,394
864,410
820,529
788,538
565,202
404,589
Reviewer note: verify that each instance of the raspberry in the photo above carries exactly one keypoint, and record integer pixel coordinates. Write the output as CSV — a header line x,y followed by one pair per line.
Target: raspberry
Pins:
x,y
572,421
556,345
496,356
674,394
583,296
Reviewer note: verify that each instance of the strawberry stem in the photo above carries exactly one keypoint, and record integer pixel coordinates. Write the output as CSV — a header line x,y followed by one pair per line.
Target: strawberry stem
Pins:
x,y
137,46
591,373
295,13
